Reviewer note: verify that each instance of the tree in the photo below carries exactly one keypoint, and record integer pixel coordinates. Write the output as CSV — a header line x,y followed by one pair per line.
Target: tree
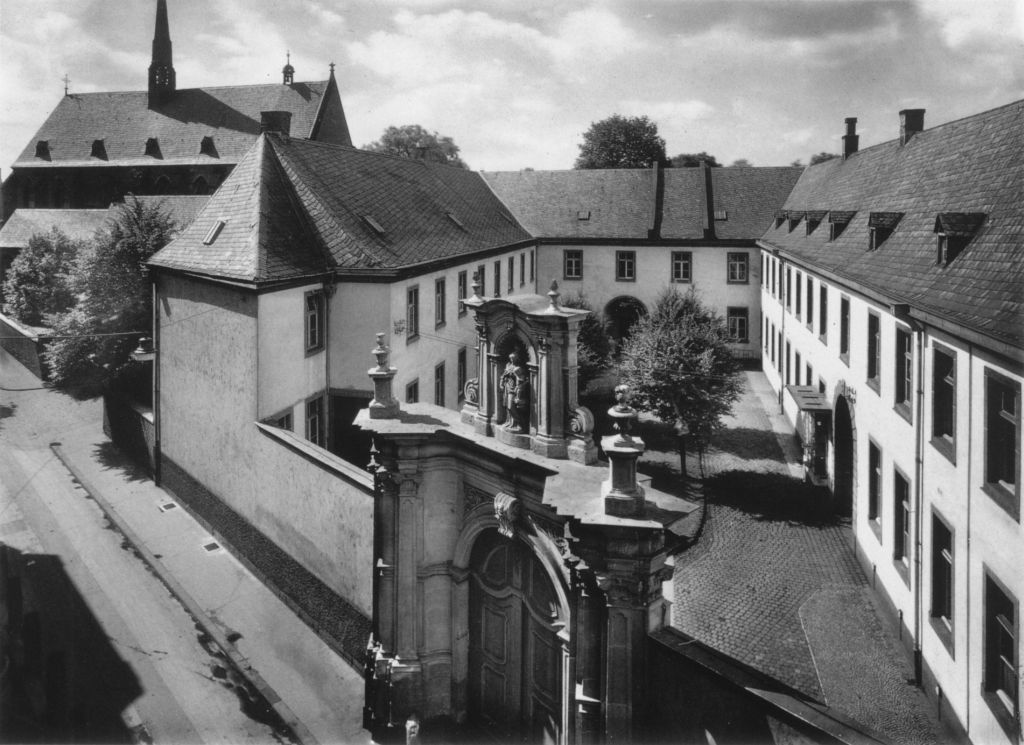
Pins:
x,y
822,157
797,164
593,348
692,160
38,284
413,141
621,142
92,348
741,163
679,365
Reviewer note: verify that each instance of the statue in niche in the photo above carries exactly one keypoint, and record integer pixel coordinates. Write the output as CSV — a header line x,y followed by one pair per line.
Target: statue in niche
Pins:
x,y
515,390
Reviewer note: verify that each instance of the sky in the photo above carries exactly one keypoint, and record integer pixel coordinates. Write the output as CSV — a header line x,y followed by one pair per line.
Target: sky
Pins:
x,y
516,83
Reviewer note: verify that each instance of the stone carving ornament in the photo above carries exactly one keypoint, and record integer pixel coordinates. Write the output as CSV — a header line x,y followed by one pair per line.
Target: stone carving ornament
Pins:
x,y
472,391
506,509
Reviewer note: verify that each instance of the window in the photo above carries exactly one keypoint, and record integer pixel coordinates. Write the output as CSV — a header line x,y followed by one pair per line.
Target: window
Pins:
x,y
1001,634
412,313
880,226
206,147
764,334
778,336
511,273
531,266
944,401
439,384
572,260
773,343
281,421
481,279
774,294
823,313
787,358
625,266
901,519
799,297
314,321
809,375
738,320
497,278
874,349
764,270
153,148
904,372
460,373
522,269
844,329
315,420
942,580
682,266
738,268
412,392
788,289
462,292
1002,441
874,483
810,304
797,365
439,302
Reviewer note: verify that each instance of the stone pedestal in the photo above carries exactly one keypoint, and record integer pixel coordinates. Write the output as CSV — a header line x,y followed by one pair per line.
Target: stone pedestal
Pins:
x,y
383,405
515,439
623,496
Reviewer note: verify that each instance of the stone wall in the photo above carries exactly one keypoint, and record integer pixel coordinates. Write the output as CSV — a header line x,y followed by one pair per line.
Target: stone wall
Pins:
x,y
18,341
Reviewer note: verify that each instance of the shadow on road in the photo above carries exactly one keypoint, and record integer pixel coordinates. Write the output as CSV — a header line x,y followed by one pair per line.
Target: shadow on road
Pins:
x,y
770,497
748,443
112,458
7,411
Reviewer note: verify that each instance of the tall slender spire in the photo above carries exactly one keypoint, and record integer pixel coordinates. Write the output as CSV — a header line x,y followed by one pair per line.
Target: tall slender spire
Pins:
x,y
161,69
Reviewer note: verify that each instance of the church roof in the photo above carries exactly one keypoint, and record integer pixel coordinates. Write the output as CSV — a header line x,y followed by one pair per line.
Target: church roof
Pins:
x,y
970,167
295,208
124,124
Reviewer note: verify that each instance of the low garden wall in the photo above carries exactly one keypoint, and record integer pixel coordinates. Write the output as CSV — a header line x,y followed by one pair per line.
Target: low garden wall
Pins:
x,y
26,344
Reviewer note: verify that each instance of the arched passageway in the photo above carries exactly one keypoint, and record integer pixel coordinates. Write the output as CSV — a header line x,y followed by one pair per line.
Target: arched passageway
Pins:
x,y
842,491
620,315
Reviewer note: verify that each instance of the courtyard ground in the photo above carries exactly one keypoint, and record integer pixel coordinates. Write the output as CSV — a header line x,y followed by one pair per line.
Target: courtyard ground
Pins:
x,y
772,581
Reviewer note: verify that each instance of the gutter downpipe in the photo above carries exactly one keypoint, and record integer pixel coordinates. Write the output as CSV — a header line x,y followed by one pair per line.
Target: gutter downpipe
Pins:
x,y
967,583
329,286
157,457
783,297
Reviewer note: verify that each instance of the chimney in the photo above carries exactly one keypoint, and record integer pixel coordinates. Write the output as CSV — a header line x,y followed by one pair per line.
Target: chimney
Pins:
x,y
911,122
279,122
658,171
851,138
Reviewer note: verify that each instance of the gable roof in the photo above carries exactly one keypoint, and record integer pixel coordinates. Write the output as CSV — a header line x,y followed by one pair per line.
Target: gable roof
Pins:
x,y
749,197
229,115
295,208
974,165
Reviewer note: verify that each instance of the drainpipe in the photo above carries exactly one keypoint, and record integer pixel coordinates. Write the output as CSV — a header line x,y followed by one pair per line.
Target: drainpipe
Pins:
x,y
783,296
157,458
329,288
967,583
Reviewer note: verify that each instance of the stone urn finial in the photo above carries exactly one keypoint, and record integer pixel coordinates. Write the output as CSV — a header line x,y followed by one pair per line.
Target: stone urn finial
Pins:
x,y
622,414
623,496
383,405
553,295
381,353
476,286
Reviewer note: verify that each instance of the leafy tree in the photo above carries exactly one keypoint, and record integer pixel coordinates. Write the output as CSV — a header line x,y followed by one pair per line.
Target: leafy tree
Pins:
x,y
797,163
692,160
38,284
621,142
413,141
741,163
679,365
92,348
593,349
822,157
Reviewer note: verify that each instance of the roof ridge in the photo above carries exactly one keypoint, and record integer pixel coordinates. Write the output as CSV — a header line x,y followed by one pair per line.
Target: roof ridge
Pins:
x,y
196,88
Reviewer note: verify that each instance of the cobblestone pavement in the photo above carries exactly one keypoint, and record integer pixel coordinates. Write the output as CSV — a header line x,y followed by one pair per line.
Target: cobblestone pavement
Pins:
x,y
772,580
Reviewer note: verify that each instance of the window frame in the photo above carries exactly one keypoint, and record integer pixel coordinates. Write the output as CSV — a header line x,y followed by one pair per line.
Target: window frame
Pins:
x,y
440,300
738,313
995,666
571,256
412,313
902,527
739,260
844,329
625,260
874,351
531,266
823,313
798,309
810,303
497,278
679,260
412,391
943,588
875,485
1005,494
461,373
315,316
941,441
510,286
439,384
903,373
462,289
319,437
522,269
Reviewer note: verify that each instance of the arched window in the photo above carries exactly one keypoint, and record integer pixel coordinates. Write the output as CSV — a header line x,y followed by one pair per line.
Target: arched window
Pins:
x,y
162,186
200,186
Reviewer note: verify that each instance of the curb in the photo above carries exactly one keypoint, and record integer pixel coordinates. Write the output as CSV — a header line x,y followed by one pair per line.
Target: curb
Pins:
x,y
234,657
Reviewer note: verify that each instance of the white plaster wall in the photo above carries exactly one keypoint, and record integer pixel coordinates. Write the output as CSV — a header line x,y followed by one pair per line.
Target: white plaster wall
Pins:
x,y
358,311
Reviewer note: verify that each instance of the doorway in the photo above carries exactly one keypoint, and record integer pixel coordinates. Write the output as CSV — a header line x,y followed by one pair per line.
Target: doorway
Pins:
x,y
842,490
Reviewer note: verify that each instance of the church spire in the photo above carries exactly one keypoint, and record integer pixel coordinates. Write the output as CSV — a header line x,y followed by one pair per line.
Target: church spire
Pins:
x,y
161,69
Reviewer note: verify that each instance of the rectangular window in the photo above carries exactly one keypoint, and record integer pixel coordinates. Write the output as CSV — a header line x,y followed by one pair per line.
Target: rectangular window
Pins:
x,y
944,401
531,265
412,313
904,372
874,482
797,367
874,349
738,268
1002,441
779,363
497,278
522,269
764,334
682,266
809,376
773,343
772,262
439,302
799,296
1001,672
764,270
315,420
810,304
625,266
284,421
481,279
901,519
572,260
314,321
823,313
460,373
942,579
412,392
439,384
511,274
462,292
787,291
738,320
786,363
844,329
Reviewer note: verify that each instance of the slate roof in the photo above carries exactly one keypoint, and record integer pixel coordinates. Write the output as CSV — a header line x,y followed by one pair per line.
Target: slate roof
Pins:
x,y
750,197
295,208
230,115
973,165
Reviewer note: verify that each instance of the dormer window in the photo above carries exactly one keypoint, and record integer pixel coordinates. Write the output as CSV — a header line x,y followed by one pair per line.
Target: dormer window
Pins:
x,y
837,222
214,231
794,218
953,231
780,217
880,227
43,149
99,150
153,148
721,215
813,219
206,147
583,215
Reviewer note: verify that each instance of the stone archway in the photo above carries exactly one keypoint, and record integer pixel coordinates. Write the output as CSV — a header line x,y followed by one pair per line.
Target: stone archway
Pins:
x,y
620,315
843,458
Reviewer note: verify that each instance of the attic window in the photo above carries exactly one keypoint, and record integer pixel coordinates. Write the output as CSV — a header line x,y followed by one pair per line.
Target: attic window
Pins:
x,y
813,220
582,214
153,148
880,227
376,226
953,231
211,236
780,217
837,222
99,150
206,147
456,220
43,149
721,214
794,218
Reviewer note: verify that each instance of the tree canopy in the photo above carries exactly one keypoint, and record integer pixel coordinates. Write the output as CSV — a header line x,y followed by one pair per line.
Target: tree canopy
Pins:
x,y
93,348
39,283
692,160
822,157
621,142
741,163
593,347
413,141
